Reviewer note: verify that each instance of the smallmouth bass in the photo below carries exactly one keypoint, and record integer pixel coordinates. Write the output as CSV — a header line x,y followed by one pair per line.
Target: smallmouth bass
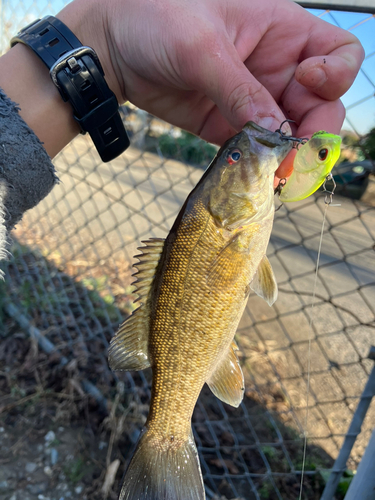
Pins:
x,y
193,288
313,162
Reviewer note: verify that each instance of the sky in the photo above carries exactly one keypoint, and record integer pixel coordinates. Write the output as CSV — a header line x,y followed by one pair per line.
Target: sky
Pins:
x,y
359,100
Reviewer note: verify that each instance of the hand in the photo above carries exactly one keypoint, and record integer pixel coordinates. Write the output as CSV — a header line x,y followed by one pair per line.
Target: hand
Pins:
x,y
209,66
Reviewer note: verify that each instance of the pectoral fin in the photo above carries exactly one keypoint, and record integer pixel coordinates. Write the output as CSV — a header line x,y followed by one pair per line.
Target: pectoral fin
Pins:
x,y
227,382
128,349
229,263
264,282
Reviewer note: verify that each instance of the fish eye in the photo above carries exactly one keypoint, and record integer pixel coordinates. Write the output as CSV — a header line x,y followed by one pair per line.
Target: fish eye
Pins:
x,y
233,156
323,153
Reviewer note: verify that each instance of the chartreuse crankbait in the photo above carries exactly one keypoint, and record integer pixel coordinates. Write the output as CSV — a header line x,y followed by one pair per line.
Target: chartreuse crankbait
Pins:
x,y
313,162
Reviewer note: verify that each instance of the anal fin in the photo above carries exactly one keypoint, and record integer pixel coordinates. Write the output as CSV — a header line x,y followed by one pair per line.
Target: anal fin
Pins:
x,y
227,382
128,349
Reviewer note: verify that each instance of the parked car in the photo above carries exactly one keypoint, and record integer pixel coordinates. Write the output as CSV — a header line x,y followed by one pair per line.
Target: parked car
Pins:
x,y
352,179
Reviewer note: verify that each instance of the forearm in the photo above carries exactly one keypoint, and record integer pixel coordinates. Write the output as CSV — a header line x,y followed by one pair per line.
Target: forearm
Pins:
x,y
25,79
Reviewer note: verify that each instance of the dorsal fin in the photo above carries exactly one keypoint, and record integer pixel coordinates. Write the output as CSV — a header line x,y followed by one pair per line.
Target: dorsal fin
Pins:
x,y
227,382
128,349
264,282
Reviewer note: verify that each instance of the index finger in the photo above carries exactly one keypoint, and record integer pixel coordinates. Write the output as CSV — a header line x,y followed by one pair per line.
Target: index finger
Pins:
x,y
311,112
331,61
315,114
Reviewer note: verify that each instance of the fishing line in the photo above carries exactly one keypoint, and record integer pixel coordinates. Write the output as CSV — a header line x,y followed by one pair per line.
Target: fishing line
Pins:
x,y
328,202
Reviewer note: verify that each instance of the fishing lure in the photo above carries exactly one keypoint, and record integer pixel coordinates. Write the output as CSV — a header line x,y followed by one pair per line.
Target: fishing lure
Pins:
x,y
313,162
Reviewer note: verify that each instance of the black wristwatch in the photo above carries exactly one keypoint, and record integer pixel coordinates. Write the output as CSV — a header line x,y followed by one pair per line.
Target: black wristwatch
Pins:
x,y
79,77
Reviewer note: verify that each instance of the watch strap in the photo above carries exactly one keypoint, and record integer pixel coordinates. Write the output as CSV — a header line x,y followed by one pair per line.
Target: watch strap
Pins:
x,y
79,77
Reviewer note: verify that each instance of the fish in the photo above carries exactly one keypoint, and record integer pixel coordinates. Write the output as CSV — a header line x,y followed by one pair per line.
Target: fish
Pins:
x,y
192,288
313,162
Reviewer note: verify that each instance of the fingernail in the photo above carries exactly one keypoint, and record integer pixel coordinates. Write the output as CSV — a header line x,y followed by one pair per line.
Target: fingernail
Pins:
x,y
268,122
314,78
271,123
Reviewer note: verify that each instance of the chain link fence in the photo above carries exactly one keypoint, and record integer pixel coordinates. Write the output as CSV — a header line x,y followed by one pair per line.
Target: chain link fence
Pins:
x,y
68,283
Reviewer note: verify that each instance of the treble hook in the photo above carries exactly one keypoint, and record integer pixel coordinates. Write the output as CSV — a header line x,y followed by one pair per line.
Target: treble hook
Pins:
x,y
278,189
298,141
281,125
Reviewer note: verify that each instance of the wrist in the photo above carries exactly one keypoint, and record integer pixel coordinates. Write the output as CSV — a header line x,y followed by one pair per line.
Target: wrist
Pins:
x,y
87,19
25,80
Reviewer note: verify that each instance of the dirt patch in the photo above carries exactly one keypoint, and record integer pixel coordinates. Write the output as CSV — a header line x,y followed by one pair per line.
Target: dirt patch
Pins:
x,y
59,443
56,441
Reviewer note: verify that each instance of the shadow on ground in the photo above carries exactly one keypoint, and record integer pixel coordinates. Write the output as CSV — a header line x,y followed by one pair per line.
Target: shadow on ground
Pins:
x,y
67,421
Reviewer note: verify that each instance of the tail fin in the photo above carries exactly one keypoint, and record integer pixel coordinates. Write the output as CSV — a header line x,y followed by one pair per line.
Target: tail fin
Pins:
x,y
163,471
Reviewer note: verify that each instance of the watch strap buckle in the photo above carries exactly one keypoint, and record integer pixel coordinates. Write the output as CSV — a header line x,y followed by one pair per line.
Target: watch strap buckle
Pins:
x,y
67,60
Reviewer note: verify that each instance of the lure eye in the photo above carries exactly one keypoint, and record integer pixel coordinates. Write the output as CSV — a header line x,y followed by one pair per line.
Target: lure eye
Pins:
x,y
323,153
233,156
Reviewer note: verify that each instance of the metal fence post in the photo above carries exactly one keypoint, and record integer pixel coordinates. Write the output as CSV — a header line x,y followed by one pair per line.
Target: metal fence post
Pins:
x,y
1,26
354,430
362,486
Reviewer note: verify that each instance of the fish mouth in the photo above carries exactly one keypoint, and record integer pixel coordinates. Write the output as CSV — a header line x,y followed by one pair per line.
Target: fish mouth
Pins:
x,y
273,140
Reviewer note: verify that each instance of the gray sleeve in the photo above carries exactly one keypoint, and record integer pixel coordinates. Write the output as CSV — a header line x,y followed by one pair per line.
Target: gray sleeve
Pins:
x,y
26,171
